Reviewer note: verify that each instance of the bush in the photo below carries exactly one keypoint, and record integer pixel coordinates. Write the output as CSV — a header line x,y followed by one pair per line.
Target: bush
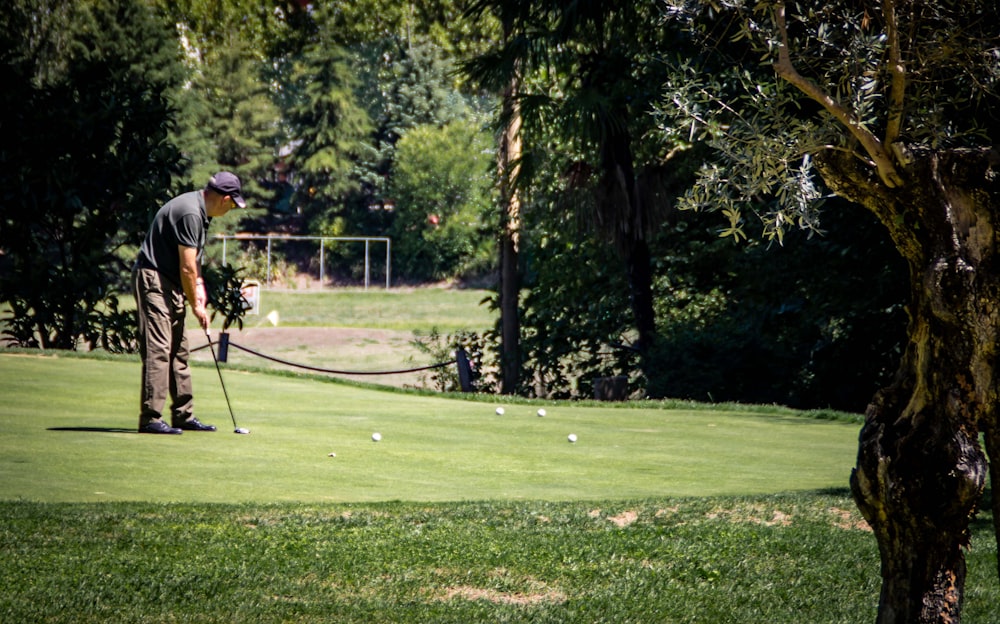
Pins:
x,y
441,186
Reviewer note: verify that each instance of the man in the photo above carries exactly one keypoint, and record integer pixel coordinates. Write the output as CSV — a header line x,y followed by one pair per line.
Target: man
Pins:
x,y
167,273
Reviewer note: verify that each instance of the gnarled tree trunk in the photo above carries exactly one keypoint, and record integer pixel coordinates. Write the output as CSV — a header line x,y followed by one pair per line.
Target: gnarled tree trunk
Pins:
x,y
920,469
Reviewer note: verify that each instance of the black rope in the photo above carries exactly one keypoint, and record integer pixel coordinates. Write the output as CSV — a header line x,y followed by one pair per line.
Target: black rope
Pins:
x,y
328,370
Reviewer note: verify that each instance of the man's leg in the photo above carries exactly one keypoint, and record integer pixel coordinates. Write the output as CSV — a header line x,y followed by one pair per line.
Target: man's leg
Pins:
x,y
153,313
181,391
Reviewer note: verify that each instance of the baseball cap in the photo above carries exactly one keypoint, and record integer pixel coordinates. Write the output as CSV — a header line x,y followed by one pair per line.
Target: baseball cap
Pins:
x,y
227,184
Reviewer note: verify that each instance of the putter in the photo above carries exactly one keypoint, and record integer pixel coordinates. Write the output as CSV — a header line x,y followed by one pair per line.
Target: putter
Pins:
x,y
211,348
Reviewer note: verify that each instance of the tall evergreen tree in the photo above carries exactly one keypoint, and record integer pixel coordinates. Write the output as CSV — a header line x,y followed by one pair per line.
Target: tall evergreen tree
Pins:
x,y
329,127
240,119
234,51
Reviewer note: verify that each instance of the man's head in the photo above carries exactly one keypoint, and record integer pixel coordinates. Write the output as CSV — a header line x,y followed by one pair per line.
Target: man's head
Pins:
x,y
226,184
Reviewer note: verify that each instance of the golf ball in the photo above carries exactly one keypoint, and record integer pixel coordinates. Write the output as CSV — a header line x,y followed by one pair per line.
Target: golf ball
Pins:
x,y
541,413
376,436
571,438
499,411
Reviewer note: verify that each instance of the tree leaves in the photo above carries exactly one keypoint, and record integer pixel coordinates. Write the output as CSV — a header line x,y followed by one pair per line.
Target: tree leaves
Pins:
x,y
85,159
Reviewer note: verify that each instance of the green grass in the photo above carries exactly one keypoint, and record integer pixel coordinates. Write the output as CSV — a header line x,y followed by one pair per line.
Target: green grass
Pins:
x,y
434,448
673,512
710,560
791,558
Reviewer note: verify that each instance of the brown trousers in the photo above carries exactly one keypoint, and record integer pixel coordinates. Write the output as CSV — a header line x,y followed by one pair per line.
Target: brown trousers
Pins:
x,y
163,347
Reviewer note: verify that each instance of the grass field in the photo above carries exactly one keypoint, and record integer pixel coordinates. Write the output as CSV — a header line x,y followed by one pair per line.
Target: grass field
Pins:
x,y
668,512
68,438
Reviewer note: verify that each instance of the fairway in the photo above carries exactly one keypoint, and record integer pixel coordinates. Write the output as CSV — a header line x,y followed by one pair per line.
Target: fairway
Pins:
x,y
67,436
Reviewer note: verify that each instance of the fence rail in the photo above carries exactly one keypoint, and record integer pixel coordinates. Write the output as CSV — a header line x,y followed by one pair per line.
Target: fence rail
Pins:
x,y
368,240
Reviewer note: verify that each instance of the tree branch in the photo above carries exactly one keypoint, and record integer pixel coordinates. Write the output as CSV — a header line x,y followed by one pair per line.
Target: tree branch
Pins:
x,y
875,149
897,71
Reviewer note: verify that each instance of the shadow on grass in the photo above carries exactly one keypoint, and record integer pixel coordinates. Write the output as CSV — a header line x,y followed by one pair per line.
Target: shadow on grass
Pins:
x,y
834,491
94,429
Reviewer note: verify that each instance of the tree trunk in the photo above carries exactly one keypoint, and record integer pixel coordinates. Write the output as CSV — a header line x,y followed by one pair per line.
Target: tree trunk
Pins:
x,y
640,281
508,156
628,219
920,470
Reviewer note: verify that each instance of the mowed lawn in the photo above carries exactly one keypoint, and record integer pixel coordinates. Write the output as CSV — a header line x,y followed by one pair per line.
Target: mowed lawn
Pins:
x,y
699,515
67,436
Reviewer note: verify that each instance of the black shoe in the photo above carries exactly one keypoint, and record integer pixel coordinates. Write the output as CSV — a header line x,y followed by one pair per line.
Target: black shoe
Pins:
x,y
158,426
193,424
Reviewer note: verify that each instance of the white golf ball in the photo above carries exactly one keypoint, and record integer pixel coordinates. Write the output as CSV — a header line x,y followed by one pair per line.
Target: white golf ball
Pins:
x,y
499,411
376,436
541,413
571,438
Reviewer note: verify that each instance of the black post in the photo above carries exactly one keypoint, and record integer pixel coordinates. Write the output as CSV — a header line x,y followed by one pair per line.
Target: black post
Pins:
x,y
464,370
223,346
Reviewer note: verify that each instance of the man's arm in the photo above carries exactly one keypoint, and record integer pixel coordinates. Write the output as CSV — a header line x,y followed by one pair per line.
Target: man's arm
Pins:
x,y
194,288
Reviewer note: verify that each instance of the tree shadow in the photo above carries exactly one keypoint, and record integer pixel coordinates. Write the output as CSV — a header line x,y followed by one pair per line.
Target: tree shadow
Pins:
x,y
834,491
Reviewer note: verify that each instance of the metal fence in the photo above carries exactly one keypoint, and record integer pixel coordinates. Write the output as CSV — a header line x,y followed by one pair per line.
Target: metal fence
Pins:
x,y
367,240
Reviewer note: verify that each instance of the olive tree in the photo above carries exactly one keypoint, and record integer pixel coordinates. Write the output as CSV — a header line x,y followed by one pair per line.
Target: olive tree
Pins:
x,y
892,105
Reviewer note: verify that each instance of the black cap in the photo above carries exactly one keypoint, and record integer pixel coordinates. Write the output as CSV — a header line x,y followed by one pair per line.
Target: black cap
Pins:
x,y
227,184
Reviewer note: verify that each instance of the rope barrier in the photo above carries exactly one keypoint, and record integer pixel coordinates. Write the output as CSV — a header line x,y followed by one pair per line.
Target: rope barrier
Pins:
x,y
327,370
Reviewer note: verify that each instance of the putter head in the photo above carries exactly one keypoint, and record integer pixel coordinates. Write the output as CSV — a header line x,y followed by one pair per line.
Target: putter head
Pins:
x,y
241,430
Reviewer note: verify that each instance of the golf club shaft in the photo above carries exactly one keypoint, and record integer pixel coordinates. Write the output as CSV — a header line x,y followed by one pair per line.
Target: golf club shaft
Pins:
x,y
221,382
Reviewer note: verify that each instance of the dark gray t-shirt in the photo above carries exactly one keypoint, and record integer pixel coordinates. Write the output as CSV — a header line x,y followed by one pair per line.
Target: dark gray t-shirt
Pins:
x,y
181,221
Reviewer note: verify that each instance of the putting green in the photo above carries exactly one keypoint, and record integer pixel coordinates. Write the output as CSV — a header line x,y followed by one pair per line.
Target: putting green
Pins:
x,y
66,434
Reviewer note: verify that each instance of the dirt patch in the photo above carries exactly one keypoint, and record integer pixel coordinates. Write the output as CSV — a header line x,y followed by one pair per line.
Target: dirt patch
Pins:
x,y
754,514
623,519
327,339
466,592
848,520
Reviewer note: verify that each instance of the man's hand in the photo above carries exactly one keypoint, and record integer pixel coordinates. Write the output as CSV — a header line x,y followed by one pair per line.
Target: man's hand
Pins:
x,y
200,296
201,314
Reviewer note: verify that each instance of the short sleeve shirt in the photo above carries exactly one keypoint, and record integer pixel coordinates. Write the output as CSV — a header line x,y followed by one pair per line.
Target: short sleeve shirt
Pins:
x,y
181,221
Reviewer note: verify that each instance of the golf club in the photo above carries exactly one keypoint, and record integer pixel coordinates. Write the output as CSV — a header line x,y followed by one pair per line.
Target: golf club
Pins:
x,y
211,348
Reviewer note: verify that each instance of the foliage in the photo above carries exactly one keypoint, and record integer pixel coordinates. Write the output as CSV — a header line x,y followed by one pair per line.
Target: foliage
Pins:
x,y
408,84
769,133
239,119
445,348
404,84
895,108
84,159
253,262
226,115
575,320
329,126
224,287
583,73
816,323
107,327
441,186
